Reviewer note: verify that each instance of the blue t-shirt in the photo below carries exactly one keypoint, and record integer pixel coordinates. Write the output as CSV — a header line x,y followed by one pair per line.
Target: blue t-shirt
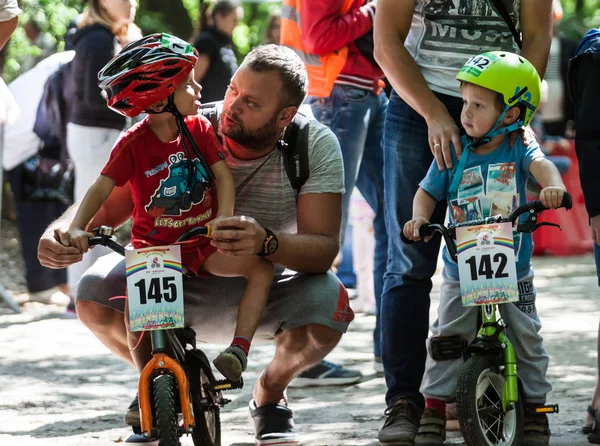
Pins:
x,y
491,184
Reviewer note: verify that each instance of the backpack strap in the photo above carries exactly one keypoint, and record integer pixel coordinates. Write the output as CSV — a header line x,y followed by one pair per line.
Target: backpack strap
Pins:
x,y
294,147
212,112
500,7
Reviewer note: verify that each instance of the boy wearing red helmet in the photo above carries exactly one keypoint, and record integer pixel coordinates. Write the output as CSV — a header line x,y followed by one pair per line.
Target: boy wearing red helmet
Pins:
x,y
173,188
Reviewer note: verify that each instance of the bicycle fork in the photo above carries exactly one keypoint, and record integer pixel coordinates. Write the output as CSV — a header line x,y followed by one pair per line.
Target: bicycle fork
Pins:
x,y
492,329
159,364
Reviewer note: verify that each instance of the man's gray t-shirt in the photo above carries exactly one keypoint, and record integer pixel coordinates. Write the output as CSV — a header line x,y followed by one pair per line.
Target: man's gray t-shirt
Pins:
x,y
263,190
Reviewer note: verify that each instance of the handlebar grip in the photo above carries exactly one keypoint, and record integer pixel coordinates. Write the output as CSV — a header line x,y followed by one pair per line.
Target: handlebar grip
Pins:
x,y
424,231
405,239
567,201
109,243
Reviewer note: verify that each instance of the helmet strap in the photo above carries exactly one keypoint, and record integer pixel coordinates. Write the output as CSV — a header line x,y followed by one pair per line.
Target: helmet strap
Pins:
x,y
184,132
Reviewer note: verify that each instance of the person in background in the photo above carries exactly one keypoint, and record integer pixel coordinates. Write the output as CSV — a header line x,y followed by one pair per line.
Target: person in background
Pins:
x,y
334,39
9,19
42,40
92,127
44,285
584,72
272,31
558,113
217,59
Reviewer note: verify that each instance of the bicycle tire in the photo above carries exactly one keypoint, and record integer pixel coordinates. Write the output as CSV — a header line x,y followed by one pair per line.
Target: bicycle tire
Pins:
x,y
479,404
206,410
165,410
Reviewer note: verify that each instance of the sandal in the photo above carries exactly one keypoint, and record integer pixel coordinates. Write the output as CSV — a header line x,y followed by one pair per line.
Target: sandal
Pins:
x,y
587,429
594,435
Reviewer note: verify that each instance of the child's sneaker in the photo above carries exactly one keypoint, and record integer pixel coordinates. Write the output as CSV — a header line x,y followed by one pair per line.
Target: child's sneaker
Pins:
x,y
432,429
536,430
231,363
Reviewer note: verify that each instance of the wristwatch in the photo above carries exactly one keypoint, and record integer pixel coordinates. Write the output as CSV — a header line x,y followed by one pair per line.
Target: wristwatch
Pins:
x,y
270,244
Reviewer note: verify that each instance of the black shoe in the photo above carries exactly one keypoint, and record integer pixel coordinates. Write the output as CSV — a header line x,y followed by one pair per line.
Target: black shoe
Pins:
x,y
401,425
273,424
132,416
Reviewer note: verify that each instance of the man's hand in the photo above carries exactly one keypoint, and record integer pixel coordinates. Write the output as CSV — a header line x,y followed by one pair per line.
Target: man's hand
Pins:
x,y
526,133
238,236
411,228
595,224
552,196
53,254
443,131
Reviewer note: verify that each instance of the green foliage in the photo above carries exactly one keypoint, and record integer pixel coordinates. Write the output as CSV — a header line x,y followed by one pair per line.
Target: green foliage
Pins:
x,y
52,16
251,31
576,23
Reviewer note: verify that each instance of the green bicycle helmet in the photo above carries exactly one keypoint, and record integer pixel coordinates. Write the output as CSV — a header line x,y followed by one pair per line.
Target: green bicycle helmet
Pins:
x,y
515,79
510,75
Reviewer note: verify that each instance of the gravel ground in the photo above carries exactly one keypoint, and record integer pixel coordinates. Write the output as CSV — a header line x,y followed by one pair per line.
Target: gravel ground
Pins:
x,y
60,386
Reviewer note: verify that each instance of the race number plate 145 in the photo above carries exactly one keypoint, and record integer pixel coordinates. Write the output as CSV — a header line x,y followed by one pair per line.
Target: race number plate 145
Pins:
x,y
155,288
486,264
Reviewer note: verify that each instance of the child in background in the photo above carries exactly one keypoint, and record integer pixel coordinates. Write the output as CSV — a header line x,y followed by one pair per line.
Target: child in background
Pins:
x,y
173,188
501,92
363,251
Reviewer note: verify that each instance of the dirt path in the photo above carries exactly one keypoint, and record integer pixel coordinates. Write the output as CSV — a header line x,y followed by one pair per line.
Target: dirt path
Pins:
x,y
60,386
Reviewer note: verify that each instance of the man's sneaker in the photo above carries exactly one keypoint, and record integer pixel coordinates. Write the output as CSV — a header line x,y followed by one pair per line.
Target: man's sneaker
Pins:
x,y
432,429
231,362
132,416
401,424
326,373
273,424
536,431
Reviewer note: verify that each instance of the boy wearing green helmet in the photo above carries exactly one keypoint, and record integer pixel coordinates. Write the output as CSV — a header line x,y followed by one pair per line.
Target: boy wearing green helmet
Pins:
x,y
501,92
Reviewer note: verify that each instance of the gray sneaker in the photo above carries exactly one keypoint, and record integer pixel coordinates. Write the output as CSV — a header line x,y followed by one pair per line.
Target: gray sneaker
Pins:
x,y
401,424
132,416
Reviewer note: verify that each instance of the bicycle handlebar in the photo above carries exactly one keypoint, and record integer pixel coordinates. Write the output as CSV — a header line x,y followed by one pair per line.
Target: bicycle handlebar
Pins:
x,y
449,233
104,237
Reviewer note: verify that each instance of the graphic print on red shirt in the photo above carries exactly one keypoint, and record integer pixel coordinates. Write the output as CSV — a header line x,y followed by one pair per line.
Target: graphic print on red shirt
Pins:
x,y
165,205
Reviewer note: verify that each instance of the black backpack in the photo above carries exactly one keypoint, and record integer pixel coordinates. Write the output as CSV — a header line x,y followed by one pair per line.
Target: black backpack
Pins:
x,y
294,144
49,175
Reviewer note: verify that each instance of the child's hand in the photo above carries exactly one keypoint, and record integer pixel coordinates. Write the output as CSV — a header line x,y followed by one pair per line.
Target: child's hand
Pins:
x,y
79,239
411,228
552,196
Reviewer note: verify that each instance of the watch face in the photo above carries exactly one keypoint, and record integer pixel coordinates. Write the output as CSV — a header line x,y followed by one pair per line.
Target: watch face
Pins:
x,y
272,245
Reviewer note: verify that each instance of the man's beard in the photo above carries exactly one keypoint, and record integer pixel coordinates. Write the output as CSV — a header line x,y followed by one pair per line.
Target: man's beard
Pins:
x,y
258,139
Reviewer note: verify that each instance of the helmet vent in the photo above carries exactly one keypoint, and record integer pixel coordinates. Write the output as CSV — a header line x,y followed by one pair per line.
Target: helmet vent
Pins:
x,y
145,87
169,73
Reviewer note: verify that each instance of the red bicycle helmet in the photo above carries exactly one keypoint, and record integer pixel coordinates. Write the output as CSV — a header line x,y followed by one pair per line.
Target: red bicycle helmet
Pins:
x,y
146,71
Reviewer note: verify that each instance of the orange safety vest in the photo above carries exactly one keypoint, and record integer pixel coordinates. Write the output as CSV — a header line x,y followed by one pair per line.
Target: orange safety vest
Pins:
x,y
323,69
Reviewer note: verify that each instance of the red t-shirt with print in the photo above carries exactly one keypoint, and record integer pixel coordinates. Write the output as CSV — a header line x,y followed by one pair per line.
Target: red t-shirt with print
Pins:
x,y
165,206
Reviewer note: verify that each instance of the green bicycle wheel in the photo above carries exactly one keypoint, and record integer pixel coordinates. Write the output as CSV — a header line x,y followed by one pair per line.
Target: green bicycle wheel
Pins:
x,y
482,420
166,413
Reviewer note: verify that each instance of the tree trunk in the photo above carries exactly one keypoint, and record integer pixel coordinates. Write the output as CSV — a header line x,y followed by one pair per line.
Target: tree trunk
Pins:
x,y
175,16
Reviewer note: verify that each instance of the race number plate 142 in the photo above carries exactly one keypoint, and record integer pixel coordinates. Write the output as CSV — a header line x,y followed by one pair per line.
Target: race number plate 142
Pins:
x,y
154,288
486,264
